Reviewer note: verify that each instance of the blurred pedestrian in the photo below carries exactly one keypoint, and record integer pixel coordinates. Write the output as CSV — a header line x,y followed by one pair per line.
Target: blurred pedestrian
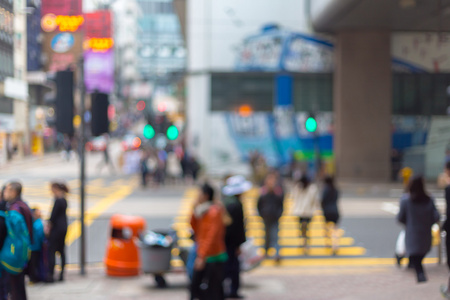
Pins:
x,y
36,267
67,142
445,182
13,195
57,229
330,196
4,278
174,171
270,208
144,168
209,231
418,214
235,232
306,202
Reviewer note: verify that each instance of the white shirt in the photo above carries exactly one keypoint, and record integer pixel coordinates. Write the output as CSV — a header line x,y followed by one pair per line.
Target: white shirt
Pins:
x,y
306,201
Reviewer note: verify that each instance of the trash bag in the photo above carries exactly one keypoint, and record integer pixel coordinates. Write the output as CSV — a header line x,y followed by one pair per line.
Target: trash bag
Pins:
x,y
154,239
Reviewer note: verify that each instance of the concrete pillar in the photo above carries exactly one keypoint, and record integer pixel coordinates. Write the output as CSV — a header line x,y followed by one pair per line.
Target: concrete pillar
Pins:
x,y
362,105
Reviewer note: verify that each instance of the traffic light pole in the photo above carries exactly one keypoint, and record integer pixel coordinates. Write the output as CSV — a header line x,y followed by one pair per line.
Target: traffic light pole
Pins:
x,y
82,170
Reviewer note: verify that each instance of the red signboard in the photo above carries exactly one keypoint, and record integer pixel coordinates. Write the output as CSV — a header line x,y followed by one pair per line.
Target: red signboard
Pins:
x,y
98,24
62,7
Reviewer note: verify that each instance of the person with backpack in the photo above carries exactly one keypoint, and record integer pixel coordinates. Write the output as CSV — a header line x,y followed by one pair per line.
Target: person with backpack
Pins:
x,y
58,229
36,268
4,284
22,226
270,208
306,201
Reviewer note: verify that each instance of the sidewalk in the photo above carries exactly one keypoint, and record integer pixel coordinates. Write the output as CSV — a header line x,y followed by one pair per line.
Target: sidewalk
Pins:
x,y
265,283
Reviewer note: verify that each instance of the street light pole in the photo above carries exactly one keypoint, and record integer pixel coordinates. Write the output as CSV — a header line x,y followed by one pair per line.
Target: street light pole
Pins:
x,y
82,169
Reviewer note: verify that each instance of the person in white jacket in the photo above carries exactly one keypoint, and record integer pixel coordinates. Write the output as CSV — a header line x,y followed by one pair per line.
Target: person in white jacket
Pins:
x,y
305,195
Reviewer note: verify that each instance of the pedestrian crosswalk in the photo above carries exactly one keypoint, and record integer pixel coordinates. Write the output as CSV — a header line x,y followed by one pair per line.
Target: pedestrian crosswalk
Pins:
x,y
289,234
290,240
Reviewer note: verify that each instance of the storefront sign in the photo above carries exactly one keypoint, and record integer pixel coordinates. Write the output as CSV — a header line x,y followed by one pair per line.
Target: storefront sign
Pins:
x,y
62,42
51,22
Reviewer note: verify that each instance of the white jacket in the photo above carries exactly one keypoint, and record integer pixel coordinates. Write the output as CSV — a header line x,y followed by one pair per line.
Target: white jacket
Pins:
x,y
306,201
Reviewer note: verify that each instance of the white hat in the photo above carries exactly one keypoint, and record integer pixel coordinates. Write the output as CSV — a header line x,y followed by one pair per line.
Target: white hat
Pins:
x,y
236,185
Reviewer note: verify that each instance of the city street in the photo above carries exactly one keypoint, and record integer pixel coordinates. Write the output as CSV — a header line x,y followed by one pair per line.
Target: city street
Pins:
x,y
363,269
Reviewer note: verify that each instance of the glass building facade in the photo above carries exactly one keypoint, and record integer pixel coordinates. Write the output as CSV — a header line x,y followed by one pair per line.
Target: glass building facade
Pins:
x,y
161,50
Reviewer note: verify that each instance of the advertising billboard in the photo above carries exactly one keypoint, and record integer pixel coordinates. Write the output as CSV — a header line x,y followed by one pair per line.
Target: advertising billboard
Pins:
x,y
62,8
99,71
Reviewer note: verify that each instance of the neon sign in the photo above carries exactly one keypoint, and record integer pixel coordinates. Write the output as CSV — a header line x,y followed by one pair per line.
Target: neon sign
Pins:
x,y
99,44
51,22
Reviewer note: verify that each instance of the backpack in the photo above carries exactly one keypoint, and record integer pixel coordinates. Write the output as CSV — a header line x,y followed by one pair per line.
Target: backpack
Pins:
x,y
16,252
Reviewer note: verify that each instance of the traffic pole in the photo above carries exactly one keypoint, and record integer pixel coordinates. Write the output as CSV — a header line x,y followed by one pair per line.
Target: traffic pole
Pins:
x,y
82,169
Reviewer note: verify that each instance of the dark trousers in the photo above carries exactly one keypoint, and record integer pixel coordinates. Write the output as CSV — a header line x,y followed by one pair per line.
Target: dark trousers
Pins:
x,y
33,266
144,178
212,275
416,262
271,228
4,285
447,248
232,270
52,249
17,282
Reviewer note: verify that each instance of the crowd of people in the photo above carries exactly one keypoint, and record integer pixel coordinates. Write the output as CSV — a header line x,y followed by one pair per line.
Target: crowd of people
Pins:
x,y
219,231
29,245
172,164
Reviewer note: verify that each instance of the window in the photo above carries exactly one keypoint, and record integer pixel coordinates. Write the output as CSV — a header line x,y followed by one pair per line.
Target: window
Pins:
x,y
313,92
420,94
230,91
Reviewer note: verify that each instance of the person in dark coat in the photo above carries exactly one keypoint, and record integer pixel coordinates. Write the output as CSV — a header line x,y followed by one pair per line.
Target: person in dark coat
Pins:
x,y
270,208
418,214
13,196
446,226
235,232
57,229
329,203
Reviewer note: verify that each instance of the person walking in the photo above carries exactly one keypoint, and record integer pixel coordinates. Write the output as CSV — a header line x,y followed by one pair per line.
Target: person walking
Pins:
x,y
235,187
209,230
144,168
306,202
445,182
57,229
270,208
418,214
13,196
329,203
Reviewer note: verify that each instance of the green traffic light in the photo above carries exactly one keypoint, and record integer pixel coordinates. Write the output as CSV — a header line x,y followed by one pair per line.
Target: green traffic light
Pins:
x,y
172,133
149,132
311,124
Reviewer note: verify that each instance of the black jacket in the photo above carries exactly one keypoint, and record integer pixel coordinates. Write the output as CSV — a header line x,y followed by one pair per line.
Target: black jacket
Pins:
x,y
446,226
270,204
235,232
58,218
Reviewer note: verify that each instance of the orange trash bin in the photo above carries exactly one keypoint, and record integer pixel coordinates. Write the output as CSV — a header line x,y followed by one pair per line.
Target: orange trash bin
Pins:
x,y
122,253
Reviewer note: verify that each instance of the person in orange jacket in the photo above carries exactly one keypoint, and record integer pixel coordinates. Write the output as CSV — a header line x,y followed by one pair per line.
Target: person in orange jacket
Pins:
x,y
207,221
